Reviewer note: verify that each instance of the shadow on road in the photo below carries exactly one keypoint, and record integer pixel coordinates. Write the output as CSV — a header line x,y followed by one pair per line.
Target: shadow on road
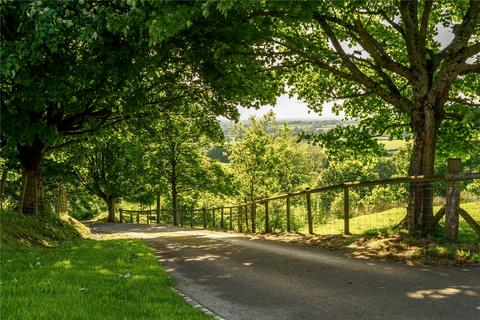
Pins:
x,y
243,278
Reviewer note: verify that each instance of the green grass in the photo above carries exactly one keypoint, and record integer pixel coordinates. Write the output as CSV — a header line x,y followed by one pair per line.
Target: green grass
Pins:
x,y
393,144
374,235
78,278
384,221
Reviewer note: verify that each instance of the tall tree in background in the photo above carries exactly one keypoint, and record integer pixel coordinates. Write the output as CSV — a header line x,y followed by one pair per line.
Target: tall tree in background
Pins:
x,y
266,159
177,153
293,163
250,159
110,167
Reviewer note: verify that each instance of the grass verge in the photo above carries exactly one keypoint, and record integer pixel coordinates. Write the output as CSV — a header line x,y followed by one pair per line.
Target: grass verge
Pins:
x,y
375,236
47,271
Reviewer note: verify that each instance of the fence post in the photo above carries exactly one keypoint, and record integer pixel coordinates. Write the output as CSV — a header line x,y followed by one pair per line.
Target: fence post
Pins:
x,y
239,218
191,218
61,201
309,211
35,194
267,220
121,215
138,217
158,208
221,219
231,216
289,228
245,209
131,217
253,216
213,218
346,211
454,166
204,211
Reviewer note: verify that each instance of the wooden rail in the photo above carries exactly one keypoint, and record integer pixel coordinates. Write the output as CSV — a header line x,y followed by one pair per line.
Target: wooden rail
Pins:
x,y
246,212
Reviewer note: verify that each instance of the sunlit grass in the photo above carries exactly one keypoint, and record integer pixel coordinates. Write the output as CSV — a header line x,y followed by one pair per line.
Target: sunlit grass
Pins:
x,y
376,235
385,221
84,279
393,144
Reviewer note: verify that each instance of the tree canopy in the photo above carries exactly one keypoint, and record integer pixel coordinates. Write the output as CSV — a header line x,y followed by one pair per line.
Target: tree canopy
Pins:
x,y
386,65
70,68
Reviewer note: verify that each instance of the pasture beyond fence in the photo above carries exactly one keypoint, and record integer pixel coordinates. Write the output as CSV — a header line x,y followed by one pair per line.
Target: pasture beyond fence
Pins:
x,y
283,212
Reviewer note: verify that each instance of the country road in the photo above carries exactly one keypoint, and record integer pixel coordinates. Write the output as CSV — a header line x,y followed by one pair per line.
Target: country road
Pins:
x,y
240,278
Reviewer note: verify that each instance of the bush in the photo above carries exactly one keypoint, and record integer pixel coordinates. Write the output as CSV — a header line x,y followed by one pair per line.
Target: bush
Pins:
x,y
385,197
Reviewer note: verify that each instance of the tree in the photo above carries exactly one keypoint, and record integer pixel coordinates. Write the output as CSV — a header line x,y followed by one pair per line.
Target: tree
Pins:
x,y
66,67
177,153
70,68
292,164
266,159
250,159
386,65
110,167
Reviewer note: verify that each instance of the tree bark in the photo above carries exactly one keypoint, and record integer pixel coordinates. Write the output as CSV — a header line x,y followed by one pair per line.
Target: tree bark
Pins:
x,y
31,156
174,200
111,208
2,186
420,205
158,208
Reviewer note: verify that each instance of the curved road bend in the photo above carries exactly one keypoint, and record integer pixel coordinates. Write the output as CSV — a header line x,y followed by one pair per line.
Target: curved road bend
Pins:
x,y
240,278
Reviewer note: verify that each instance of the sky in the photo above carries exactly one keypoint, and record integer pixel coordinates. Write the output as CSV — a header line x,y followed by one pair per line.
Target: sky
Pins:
x,y
289,108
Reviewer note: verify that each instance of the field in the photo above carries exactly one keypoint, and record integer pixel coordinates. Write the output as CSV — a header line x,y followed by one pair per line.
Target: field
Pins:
x,y
391,145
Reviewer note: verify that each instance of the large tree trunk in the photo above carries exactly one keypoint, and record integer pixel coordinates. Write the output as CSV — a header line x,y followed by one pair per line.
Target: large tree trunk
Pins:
x,y
420,204
111,208
31,197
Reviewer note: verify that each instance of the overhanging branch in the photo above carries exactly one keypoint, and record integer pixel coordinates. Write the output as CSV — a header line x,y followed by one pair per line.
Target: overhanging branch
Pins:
x,y
464,102
398,101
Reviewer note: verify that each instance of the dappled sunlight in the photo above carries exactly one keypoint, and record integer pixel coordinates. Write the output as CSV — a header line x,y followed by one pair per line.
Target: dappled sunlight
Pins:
x,y
229,264
358,255
63,264
444,293
209,257
192,249
103,271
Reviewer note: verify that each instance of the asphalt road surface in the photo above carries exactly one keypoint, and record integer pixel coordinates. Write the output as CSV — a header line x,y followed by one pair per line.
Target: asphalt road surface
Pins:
x,y
240,278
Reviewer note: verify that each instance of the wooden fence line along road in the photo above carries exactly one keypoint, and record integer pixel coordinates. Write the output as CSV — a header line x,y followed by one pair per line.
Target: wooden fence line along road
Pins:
x,y
249,208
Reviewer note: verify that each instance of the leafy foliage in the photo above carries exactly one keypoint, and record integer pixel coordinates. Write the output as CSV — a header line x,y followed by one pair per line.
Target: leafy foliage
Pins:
x,y
266,159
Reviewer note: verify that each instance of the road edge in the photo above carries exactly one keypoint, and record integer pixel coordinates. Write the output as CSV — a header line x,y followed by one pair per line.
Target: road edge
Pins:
x,y
197,305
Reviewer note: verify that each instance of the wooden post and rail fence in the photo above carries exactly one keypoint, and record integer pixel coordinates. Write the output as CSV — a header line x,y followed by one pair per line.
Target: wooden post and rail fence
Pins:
x,y
451,210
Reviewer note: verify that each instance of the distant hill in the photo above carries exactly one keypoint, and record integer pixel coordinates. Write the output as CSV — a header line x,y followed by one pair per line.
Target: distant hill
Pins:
x,y
296,125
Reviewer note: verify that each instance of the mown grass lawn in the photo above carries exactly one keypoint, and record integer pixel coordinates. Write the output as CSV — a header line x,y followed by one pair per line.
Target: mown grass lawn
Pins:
x,y
87,279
